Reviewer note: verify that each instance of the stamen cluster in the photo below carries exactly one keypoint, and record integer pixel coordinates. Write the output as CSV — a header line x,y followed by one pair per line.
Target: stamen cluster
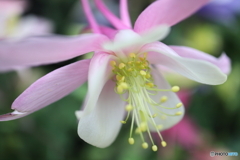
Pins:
x,y
133,76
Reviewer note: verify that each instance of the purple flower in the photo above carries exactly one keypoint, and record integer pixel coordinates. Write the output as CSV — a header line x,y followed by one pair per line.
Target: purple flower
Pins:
x,y
223,11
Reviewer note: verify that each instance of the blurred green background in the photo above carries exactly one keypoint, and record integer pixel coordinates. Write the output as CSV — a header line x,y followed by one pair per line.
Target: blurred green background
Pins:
x,y
51,133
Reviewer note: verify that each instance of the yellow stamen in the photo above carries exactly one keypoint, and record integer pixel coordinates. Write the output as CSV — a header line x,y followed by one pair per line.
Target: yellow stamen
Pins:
x,y
164,144
120,89
175,88
179,105
112,63
159,127
138,130
121,65
132,55
133,77
148,75
120,78
154,115
163,99
143,127
154,148
123,122
150,85
130,69
163,117
143,73
124,85
129,107
145,145
178,113
145,55
131,141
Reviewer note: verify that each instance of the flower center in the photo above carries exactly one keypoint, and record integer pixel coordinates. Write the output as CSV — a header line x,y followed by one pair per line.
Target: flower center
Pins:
x,y
133,76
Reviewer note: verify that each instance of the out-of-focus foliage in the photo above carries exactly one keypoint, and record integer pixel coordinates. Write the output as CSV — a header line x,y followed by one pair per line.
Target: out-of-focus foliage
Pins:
x,y
51,133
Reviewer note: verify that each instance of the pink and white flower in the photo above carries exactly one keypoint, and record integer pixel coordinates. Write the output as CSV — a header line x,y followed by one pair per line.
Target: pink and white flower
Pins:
x,y
121,75
12,25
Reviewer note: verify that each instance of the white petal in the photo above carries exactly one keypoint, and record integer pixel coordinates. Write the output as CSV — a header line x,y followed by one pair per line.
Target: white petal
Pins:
x,y
197,70
101,126
128,38
99,73
166,121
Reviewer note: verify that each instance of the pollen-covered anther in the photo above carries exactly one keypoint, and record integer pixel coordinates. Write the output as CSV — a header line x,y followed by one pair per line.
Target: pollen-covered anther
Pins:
x,y
143,73
159,127
130,62
121,65
179,105
145,145
151,85
143,67
154,148
112,63
138,62
163,99
138,131
163,117
178,113
130,70
132,55
120,78
175,88
123,122
120,89
154,115
133,77
129,107
131,141
141,59
145,55
148,76
143,127
124,85
164,144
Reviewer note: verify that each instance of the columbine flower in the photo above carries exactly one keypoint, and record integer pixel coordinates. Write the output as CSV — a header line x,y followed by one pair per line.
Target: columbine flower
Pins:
x,y
14,26
122,75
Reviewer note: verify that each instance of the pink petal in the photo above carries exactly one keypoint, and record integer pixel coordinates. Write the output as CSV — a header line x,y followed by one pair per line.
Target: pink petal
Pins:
x,y
172,101
109,32
167,12
101,126
49,89
115,21
185,128
100,72
44,50
197,70
90,17
223,62
12,8
124,13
